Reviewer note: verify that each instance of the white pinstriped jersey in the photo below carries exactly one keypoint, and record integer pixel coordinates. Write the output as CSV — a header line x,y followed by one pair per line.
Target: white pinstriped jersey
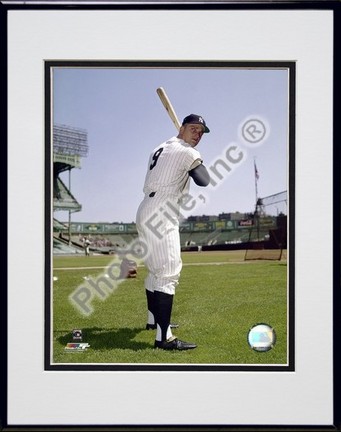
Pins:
x,y
157,218
168,168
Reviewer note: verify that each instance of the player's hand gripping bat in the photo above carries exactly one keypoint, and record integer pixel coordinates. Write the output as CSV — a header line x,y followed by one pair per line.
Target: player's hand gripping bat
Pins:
x,y
169,107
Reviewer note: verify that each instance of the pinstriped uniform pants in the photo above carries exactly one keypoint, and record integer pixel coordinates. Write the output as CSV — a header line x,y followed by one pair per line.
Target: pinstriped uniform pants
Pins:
x,y
157,223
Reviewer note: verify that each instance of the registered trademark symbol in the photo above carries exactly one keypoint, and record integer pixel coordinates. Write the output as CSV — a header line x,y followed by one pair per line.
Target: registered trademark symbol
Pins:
x,y
253,131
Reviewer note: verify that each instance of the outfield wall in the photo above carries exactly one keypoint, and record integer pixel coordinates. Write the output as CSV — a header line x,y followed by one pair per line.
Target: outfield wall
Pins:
x,y
208,235
185,227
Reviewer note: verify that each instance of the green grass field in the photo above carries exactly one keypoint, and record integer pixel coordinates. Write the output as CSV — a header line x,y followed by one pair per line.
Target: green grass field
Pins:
x,y
219,298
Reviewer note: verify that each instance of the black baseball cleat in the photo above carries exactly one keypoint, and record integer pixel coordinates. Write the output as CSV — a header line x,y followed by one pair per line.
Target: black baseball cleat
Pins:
x,y
153,326
175,344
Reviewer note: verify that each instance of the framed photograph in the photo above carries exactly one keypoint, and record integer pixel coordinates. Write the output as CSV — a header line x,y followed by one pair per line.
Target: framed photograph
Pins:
x,y
95,254
236,279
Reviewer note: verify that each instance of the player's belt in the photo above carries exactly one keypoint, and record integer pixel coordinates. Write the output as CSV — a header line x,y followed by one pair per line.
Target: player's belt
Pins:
x,y
152,194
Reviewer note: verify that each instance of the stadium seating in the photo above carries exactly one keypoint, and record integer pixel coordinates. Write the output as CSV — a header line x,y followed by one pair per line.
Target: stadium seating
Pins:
x,y
61,248
63,198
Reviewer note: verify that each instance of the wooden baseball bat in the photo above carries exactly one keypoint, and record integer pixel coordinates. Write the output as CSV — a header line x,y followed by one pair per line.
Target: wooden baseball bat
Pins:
x,y
169,107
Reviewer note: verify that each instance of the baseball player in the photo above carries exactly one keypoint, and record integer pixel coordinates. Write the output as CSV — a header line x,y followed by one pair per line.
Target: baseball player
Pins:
x,y
170,167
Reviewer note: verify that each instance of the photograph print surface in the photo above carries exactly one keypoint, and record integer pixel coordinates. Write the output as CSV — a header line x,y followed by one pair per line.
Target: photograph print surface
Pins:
x,y
233,237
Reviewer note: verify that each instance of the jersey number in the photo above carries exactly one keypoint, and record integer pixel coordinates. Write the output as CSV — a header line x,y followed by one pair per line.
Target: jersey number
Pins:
x,y
156,157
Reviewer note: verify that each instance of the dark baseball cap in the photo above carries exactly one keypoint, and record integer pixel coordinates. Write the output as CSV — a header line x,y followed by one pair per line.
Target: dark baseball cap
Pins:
x,y
196,119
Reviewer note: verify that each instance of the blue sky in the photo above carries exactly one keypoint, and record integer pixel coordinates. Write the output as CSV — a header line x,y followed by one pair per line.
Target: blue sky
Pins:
x,y
125,120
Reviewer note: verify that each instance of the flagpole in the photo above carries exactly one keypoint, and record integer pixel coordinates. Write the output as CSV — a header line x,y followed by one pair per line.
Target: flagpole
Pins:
x,y
256,179
256,192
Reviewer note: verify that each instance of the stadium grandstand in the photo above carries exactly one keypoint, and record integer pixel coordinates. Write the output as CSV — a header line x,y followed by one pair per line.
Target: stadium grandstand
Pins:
x,y
234,231
69,145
